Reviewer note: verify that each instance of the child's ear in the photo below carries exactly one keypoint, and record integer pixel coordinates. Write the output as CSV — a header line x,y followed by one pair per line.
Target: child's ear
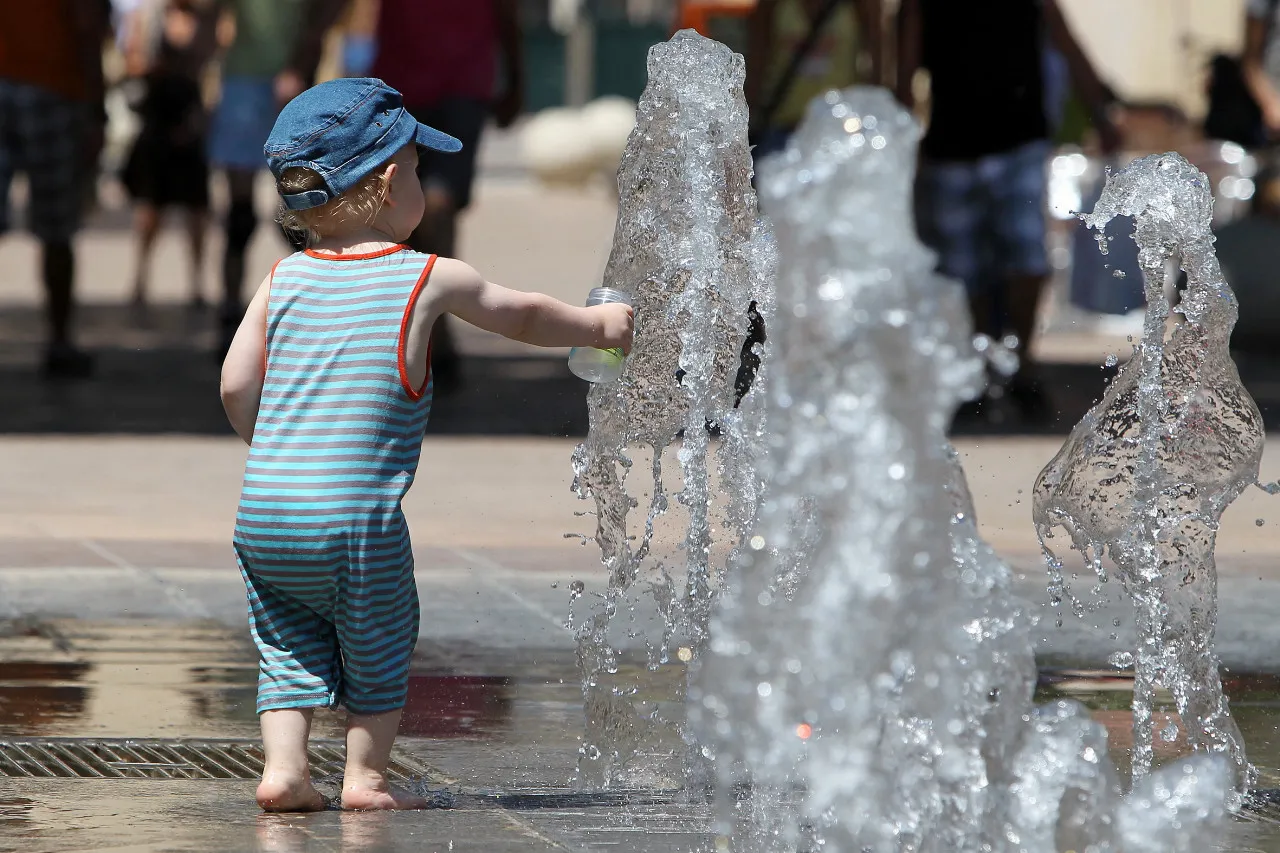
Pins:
x,y
388,176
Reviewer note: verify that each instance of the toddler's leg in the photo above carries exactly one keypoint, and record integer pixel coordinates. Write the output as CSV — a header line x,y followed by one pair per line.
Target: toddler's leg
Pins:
x,y
364,785
286,778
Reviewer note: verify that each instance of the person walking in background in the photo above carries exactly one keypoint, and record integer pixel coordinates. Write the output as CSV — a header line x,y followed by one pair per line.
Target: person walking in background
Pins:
x,y
168,45
1260,63
51,128
980,190
452,86
798,49
273,57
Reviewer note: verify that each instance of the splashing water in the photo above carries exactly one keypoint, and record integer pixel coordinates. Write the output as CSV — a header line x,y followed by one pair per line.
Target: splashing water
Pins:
x,y
869,680
1144,478
691,251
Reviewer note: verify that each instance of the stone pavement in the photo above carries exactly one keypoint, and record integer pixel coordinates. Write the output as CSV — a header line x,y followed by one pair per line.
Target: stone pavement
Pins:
x,y
120,526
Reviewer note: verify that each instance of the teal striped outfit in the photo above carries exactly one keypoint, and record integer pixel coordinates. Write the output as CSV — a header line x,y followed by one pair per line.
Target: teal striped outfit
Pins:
x,y
320,537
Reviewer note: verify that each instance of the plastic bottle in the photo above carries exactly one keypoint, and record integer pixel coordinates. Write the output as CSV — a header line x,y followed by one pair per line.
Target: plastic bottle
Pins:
x,y
599,365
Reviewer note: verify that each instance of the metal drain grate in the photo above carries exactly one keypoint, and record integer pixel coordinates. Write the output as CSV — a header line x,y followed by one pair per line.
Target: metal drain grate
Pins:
x,y
86,758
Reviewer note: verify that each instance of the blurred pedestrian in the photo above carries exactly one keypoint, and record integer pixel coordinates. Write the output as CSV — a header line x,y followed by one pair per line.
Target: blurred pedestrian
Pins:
x,y
980,191
168,45
1260,65
272,58
51,128
798,49
452,86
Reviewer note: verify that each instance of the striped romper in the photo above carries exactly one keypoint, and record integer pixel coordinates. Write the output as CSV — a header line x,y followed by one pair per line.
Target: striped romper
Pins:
x,y
320,537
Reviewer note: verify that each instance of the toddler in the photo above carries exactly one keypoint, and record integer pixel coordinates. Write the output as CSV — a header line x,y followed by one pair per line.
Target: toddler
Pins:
x,y
327,379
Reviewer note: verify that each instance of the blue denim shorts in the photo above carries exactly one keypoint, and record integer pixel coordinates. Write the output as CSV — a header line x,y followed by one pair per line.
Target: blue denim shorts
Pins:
x,y
986,218
242,122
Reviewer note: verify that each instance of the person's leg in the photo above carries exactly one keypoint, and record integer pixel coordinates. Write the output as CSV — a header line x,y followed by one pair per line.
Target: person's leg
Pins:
x,y
197,225
364,781
241,124
436,235
377,625
146,225
51,132
242,220
58,265
1017,220
447,181
947,219
286,774
299,669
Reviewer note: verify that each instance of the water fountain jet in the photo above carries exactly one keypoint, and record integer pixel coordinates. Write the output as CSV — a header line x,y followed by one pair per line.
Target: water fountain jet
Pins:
x,y
875,693
1145,477
691,251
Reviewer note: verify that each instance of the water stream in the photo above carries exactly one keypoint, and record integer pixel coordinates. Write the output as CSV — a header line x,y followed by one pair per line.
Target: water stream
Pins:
x,y
1142,481
692,252
861,676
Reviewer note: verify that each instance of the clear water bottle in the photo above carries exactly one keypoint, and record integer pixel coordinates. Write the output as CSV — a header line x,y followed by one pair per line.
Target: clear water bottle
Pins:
x,y
599,365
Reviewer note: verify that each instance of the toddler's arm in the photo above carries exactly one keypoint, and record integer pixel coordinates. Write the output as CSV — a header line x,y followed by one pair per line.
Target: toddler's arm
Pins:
x,y
533,318
245,367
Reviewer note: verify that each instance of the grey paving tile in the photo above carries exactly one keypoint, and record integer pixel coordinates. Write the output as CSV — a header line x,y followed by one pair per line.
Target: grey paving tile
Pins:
x,y
38,553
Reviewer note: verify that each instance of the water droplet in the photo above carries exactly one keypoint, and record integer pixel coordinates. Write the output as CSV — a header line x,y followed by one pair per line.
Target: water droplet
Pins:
x,y
1111,360
685,654
1259,521
757,543
1121,660
1170,732
576,589
1118,273
764,690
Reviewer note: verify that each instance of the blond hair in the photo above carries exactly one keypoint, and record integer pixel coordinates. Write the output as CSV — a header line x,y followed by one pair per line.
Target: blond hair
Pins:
x,y
356,207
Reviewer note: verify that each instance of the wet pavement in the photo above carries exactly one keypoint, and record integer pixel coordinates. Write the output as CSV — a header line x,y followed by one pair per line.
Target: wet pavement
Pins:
x,y
496,736
123,617
491,734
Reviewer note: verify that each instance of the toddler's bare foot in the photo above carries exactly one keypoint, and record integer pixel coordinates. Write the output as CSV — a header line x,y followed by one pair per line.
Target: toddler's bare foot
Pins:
x,y
297,795
373,791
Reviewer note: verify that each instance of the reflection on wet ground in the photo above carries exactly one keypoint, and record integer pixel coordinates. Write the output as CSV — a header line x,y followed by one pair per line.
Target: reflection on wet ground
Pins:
x,y
498,734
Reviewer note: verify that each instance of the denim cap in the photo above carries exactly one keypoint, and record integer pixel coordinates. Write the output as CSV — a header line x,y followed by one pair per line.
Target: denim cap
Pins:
x,y
344,129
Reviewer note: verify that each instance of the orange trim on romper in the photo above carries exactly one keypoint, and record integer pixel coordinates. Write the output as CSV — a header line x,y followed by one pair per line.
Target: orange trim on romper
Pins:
x,y
361,256
266,332
401,357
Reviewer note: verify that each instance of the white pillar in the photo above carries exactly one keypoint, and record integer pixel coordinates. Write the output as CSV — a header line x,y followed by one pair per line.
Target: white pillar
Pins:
x,y
580,62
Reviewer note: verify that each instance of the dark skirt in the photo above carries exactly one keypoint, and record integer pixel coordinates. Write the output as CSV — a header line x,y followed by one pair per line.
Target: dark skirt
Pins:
x,y
167,165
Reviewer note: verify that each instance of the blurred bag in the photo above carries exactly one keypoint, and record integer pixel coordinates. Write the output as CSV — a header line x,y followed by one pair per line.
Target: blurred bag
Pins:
x,y
1094,283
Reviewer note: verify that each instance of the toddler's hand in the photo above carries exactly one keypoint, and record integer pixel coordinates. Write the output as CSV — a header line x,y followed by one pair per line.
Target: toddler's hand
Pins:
x,y
616,325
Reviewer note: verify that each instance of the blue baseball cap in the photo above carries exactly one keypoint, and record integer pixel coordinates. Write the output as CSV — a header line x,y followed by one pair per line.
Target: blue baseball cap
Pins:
x,y
344,129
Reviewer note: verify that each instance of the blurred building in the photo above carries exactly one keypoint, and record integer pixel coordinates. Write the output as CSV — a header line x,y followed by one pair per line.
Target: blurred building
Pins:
x,y
1157,50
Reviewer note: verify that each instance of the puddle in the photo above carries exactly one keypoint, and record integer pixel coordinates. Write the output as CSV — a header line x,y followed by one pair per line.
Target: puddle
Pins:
x,y
165,679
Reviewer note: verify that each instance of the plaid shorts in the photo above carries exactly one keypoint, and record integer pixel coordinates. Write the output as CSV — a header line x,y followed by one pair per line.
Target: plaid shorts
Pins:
x,y
986,218
41,135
